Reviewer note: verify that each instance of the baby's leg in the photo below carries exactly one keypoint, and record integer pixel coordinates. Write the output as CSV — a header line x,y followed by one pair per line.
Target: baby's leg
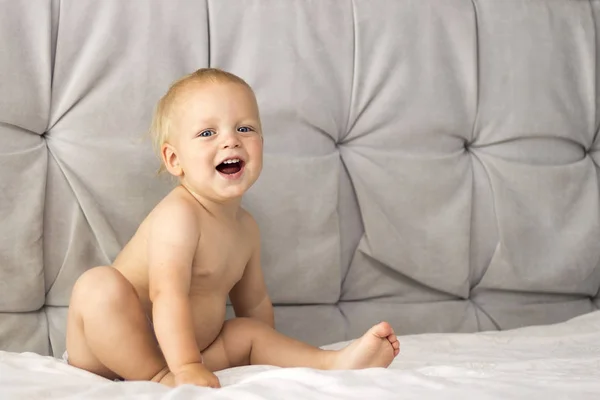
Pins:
x,y
245,341
108,332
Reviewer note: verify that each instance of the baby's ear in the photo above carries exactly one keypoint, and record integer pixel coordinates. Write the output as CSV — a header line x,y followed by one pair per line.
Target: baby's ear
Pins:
x,y
171,160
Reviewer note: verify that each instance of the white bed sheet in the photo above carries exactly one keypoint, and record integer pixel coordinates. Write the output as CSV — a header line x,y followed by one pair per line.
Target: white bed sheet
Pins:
x,y
560,361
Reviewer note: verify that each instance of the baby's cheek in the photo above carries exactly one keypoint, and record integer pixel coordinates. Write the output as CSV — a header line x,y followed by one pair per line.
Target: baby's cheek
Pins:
x,y
257,147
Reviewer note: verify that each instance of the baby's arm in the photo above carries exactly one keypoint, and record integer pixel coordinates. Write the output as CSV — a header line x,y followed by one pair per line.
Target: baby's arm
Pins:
x,y
249,296
172,245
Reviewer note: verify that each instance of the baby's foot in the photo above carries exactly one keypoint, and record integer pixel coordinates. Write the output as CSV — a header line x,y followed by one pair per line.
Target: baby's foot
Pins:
x,y
376,348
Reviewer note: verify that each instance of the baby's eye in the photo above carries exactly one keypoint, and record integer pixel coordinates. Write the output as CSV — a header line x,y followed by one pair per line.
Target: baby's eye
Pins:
x,y
206,133
244,129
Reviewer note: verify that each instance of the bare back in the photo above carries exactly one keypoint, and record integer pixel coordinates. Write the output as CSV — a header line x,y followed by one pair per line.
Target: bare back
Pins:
x,y
221,255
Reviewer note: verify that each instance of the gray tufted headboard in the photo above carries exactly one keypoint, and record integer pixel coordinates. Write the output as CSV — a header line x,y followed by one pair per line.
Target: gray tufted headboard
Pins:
x,y
428,162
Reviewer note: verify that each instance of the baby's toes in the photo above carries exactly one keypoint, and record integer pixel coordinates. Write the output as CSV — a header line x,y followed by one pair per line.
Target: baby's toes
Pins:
x,y
382,330
396,347
395,344
392,338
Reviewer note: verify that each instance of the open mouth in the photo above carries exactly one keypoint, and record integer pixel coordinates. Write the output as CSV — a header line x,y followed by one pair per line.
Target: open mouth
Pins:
x,y
230,167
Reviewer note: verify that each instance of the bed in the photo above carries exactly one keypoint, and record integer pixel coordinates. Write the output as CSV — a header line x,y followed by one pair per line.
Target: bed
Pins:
x,y
561,361
440,162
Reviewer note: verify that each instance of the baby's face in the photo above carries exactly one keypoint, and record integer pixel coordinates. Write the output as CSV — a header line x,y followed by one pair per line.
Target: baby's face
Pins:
x,y
218,139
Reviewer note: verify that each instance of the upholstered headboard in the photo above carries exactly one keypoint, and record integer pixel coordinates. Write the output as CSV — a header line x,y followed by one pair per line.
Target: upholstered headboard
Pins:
x,y
428,162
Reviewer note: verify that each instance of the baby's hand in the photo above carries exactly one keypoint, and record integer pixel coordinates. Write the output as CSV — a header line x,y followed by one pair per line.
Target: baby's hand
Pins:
x,y
196,374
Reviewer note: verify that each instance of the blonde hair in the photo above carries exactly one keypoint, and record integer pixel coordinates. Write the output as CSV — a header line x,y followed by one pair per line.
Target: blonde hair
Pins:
x,y
160,129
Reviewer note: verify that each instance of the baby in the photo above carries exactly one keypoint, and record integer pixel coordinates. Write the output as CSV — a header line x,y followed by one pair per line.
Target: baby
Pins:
x,y
158,313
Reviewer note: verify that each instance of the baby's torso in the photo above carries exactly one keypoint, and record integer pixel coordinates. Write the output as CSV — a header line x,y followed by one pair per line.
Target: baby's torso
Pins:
x,y
221,257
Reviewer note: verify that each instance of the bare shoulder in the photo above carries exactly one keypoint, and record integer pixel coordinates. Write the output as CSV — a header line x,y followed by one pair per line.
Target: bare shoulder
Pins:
x,y
250,225
177,213
251,229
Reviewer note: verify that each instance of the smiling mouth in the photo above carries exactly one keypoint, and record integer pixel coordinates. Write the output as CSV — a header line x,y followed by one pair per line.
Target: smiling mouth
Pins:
x,y
230,167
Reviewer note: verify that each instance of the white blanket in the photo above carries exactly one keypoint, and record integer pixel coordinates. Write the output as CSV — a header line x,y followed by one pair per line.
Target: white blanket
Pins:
x,y
551,362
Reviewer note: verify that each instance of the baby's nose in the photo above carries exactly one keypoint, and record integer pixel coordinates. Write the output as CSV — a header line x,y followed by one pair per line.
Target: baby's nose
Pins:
x,y
231,141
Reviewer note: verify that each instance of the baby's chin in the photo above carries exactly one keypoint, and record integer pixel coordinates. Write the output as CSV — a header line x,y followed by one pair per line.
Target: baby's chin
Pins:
x,y
228,192
219,189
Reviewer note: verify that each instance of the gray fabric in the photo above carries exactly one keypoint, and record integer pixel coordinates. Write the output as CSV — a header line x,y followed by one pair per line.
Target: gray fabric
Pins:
x,y
21,331
431,163
24,101
300,234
